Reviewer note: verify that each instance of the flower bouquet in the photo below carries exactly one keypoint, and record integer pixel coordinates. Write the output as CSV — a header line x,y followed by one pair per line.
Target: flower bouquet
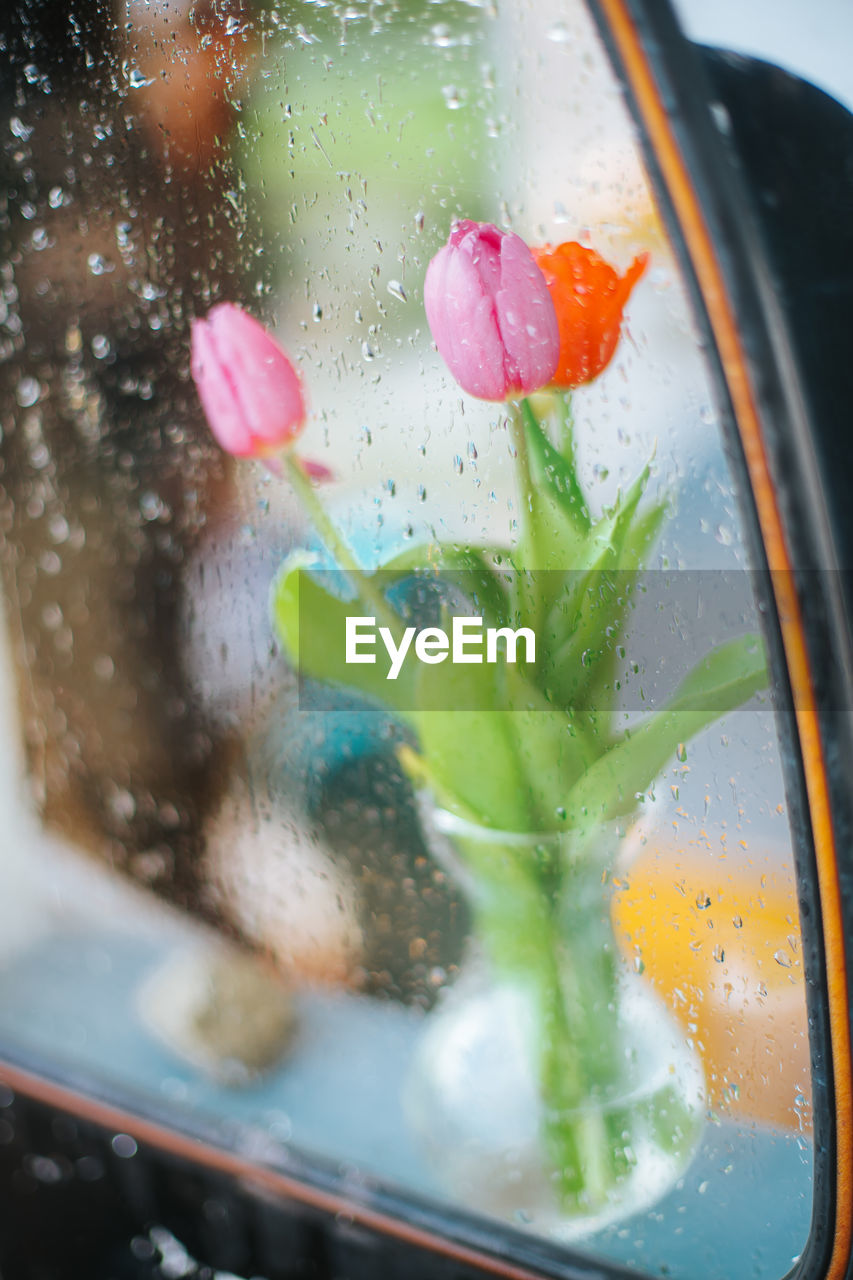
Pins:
x,y
502,663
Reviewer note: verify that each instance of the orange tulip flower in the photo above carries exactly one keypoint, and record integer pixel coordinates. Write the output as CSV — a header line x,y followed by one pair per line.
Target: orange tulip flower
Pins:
x,y
589,297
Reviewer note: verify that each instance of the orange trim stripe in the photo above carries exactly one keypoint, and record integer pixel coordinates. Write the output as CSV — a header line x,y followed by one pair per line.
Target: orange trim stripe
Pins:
x,y
254,1176
724,326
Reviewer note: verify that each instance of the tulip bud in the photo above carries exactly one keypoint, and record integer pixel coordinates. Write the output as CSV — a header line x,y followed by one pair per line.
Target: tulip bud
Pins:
x,y
490,313
249,390
589,297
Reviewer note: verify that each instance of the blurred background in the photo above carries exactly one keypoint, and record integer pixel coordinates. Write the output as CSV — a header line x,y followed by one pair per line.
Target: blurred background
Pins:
x,y
209,898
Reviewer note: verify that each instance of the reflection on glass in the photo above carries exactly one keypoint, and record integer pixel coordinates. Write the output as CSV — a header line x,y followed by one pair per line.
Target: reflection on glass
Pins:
x,y
518,937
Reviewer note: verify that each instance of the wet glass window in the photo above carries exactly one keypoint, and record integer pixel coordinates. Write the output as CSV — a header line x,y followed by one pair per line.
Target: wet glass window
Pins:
x,y
389,765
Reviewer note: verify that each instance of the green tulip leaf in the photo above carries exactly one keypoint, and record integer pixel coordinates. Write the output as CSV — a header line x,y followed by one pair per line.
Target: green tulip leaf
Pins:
x,y
725,679
310,622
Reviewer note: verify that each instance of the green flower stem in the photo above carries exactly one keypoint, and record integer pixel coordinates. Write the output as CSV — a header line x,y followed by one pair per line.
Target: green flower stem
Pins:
x,y
529,554
571,974
526,488
333,540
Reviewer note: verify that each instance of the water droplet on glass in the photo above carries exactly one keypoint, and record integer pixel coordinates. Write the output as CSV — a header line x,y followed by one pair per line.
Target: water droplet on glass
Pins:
x,y
98,265
27,392
558,33
135,78
681,753
719,954
317,312
586,657
782,957
458,465
702,900
58,528
150,506
123,1145
104,667
367,351
100,346
737,921
452,98
396,290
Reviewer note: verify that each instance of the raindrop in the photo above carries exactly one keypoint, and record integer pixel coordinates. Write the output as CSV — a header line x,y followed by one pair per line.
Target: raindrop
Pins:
x,y
104,667
122,804
702,900
458,465
98,265
43,1169
586,657
639,964
51,616
367,351
28,392
100,346
419,221
681,753
452,97
737,921
150,506
558,33
55,197
781,957
396,290
718,954
317,313
124,1146
135,78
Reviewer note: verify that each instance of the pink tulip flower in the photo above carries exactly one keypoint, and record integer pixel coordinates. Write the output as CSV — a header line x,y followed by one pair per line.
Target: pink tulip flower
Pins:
x,y
491,314
249,390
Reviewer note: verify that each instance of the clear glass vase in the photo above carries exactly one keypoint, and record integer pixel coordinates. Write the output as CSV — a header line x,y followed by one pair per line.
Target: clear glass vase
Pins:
x,y
551,1087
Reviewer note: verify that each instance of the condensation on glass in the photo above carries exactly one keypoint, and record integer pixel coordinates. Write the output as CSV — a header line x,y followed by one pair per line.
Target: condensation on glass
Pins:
x,y
204,884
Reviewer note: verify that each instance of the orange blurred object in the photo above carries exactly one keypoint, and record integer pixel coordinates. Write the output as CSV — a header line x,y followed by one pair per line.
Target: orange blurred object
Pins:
x,y
589,297
721,943
187,64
